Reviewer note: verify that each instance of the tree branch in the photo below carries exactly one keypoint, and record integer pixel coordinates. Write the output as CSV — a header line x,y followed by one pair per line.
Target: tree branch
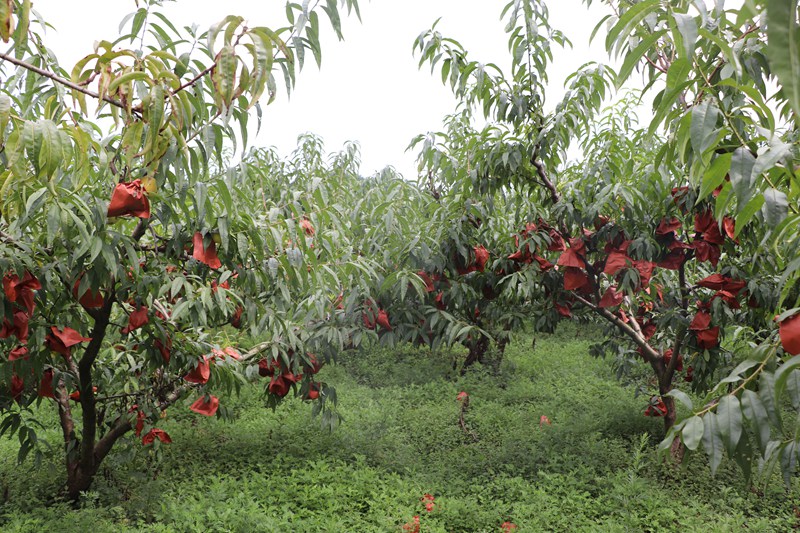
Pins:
x,y
140,229
655,65
635,326
683,288
680,336
123,425
105,444
648,353
64,412
85,367
58,79
542,173
195,79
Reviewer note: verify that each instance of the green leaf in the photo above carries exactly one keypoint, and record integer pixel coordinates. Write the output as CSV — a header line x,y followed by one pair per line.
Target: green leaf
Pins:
x,y
782,376
715,175
747,213
166,21
222,225
53,223
234,21
5,114
127,78
783,48
333,14
6,19
205,298
755,413
138,22
224,75
789,461
97,247
712,443
729,419
687,26
768,396
793,388
741,368
741,173
693,432
48,148
678,72
768,159
155,117
681,397
704,126
776,207
726,50
620,32
743,456
632,58
21,32
34,202
262,64
756,99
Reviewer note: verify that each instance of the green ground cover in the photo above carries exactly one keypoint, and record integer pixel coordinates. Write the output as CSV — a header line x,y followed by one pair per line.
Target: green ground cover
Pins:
x,y
594,469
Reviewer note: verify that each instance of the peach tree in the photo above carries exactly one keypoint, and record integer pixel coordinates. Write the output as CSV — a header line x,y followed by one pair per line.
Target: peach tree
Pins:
x,y
128,240
436,283
728,104
680,236
464,301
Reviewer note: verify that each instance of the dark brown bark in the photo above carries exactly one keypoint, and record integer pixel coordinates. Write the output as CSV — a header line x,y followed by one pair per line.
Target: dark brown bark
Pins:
x,y
477,350
79,475
670,417
501,347
665,374
80,471
140,229
67,425
496,354
555,197
78,481
648,352
88,405
58,79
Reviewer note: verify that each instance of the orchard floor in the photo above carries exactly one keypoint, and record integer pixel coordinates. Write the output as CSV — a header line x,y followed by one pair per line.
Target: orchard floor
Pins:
x,y
594,469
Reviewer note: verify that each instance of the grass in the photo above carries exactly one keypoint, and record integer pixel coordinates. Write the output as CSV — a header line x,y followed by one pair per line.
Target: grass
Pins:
x,y
593,469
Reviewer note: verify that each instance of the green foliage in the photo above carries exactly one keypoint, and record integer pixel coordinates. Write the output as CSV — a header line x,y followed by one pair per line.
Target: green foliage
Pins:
x,y
126,228
310,260
783,48
714,157
591,470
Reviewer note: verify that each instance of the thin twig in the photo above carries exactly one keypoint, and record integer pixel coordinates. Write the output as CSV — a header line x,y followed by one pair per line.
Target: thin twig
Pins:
x,y
58,79
555,197
744,383
648,352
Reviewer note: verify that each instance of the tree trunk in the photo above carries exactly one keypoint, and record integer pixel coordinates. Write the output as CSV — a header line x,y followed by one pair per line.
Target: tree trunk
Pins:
x,y
78,481
677,449
477,349
501,349
497,351
670,417
82,466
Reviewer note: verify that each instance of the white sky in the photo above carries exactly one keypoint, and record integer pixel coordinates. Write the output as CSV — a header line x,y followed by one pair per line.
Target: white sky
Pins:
x,y
369,88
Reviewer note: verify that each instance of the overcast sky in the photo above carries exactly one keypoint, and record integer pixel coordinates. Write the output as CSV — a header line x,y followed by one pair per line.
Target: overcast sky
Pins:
x,y
369,89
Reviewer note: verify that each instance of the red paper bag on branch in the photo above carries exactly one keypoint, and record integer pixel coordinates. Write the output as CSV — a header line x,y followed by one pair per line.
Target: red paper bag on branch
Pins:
x,y
128,200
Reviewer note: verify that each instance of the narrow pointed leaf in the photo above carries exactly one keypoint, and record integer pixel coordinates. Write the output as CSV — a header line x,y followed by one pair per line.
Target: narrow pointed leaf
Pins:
x,y
729,418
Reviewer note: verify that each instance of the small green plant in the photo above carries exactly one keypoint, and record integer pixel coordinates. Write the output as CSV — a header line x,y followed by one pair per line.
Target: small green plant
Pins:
x,y
266,471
